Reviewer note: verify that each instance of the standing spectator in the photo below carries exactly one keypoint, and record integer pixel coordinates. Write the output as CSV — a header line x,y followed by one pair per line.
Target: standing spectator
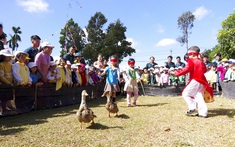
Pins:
x,y
79,59
70,55
33,50
99,63
3,40
151,63
1,33
179,62
169,63
206,61
6,77
151,77
43,59
1,29
34,74
217,59
145,76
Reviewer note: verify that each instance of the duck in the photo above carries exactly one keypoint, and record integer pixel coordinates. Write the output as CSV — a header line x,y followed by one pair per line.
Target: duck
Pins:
x,y
84,114
110,105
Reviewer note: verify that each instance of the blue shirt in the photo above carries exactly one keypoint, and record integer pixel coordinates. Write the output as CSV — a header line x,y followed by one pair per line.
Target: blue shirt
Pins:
x,y
32,53
111,75
35,77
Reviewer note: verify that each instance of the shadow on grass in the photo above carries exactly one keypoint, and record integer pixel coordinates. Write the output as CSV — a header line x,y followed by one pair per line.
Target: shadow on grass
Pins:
x,y
99,126
123,116
152,105
216,112
11,131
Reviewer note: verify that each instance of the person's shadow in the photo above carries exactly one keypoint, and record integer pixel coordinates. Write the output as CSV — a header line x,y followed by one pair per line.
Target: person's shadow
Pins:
x,y
220,111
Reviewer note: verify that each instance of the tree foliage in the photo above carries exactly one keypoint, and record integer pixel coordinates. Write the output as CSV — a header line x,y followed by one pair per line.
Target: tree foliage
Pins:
x,y
13,42
226,37
185,24
109,41
72,35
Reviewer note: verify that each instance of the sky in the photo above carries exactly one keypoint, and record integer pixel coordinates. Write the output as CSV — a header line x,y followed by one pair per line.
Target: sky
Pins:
x,y
151,24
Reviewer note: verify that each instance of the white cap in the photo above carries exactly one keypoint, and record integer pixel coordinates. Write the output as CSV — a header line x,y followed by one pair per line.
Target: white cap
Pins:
x,y
6,52
45,43
172,68
150,69
73,66
18,52
31,64
68,62
52,63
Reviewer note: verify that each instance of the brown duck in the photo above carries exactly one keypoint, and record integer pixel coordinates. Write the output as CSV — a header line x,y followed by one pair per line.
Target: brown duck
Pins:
x,y
111,106
84,114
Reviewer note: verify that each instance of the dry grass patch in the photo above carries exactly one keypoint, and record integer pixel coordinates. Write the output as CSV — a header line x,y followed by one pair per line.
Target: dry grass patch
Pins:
x,y
156,121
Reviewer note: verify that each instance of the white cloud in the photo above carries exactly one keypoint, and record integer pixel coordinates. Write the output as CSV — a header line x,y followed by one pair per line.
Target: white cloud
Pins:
x,y
160,28
34,6
200,13
166,42
133,43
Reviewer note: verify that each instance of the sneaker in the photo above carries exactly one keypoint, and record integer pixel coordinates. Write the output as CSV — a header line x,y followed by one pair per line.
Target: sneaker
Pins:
x,y
202,116
129,105
134,103
191,112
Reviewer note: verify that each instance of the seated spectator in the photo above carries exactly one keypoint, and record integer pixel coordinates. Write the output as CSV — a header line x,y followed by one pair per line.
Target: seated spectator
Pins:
x,y
82,76
145,75
217,59
151,77
52,74
151,63
68,80
74,73
173,79
21,71
212,77
6,77
165,77
35,75
169,63
179,62
70,55
43,59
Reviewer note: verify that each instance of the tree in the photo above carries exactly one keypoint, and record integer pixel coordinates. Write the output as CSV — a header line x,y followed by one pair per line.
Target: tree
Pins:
x,y
185,24
13,42
72,35
226,37
96,35
115,42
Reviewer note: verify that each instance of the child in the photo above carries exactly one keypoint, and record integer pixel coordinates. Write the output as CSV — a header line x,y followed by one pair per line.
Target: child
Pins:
x,y
21,71
82,75
164,77
74,74
212,77
112,77
52,75
151,77
35,75
61,74
145,75
193,93
68,80
173,79
6,77
131,83
157,74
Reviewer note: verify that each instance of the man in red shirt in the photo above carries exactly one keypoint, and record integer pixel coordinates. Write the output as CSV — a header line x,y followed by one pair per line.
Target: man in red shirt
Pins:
x,y
193,93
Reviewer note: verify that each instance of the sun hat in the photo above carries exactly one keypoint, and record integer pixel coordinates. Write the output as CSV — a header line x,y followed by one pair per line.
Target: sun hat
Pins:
x,y
78,54
74,66
68,62
31,64
20,52
6,52
52,63
46,44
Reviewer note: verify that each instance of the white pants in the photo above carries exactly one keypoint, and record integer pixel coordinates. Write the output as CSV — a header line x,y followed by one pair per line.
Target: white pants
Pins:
x,y
193,94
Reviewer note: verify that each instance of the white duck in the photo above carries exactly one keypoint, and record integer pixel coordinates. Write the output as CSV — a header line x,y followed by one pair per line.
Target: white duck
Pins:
x,y
84,114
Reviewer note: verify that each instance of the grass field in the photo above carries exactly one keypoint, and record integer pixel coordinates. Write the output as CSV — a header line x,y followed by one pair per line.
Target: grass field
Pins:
x,y
155,121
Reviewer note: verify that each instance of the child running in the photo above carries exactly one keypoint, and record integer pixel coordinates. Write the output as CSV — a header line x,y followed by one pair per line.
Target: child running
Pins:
x,y
131,83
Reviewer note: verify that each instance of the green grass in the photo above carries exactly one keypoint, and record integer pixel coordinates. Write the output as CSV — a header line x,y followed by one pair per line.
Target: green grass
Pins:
x,y
156,121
